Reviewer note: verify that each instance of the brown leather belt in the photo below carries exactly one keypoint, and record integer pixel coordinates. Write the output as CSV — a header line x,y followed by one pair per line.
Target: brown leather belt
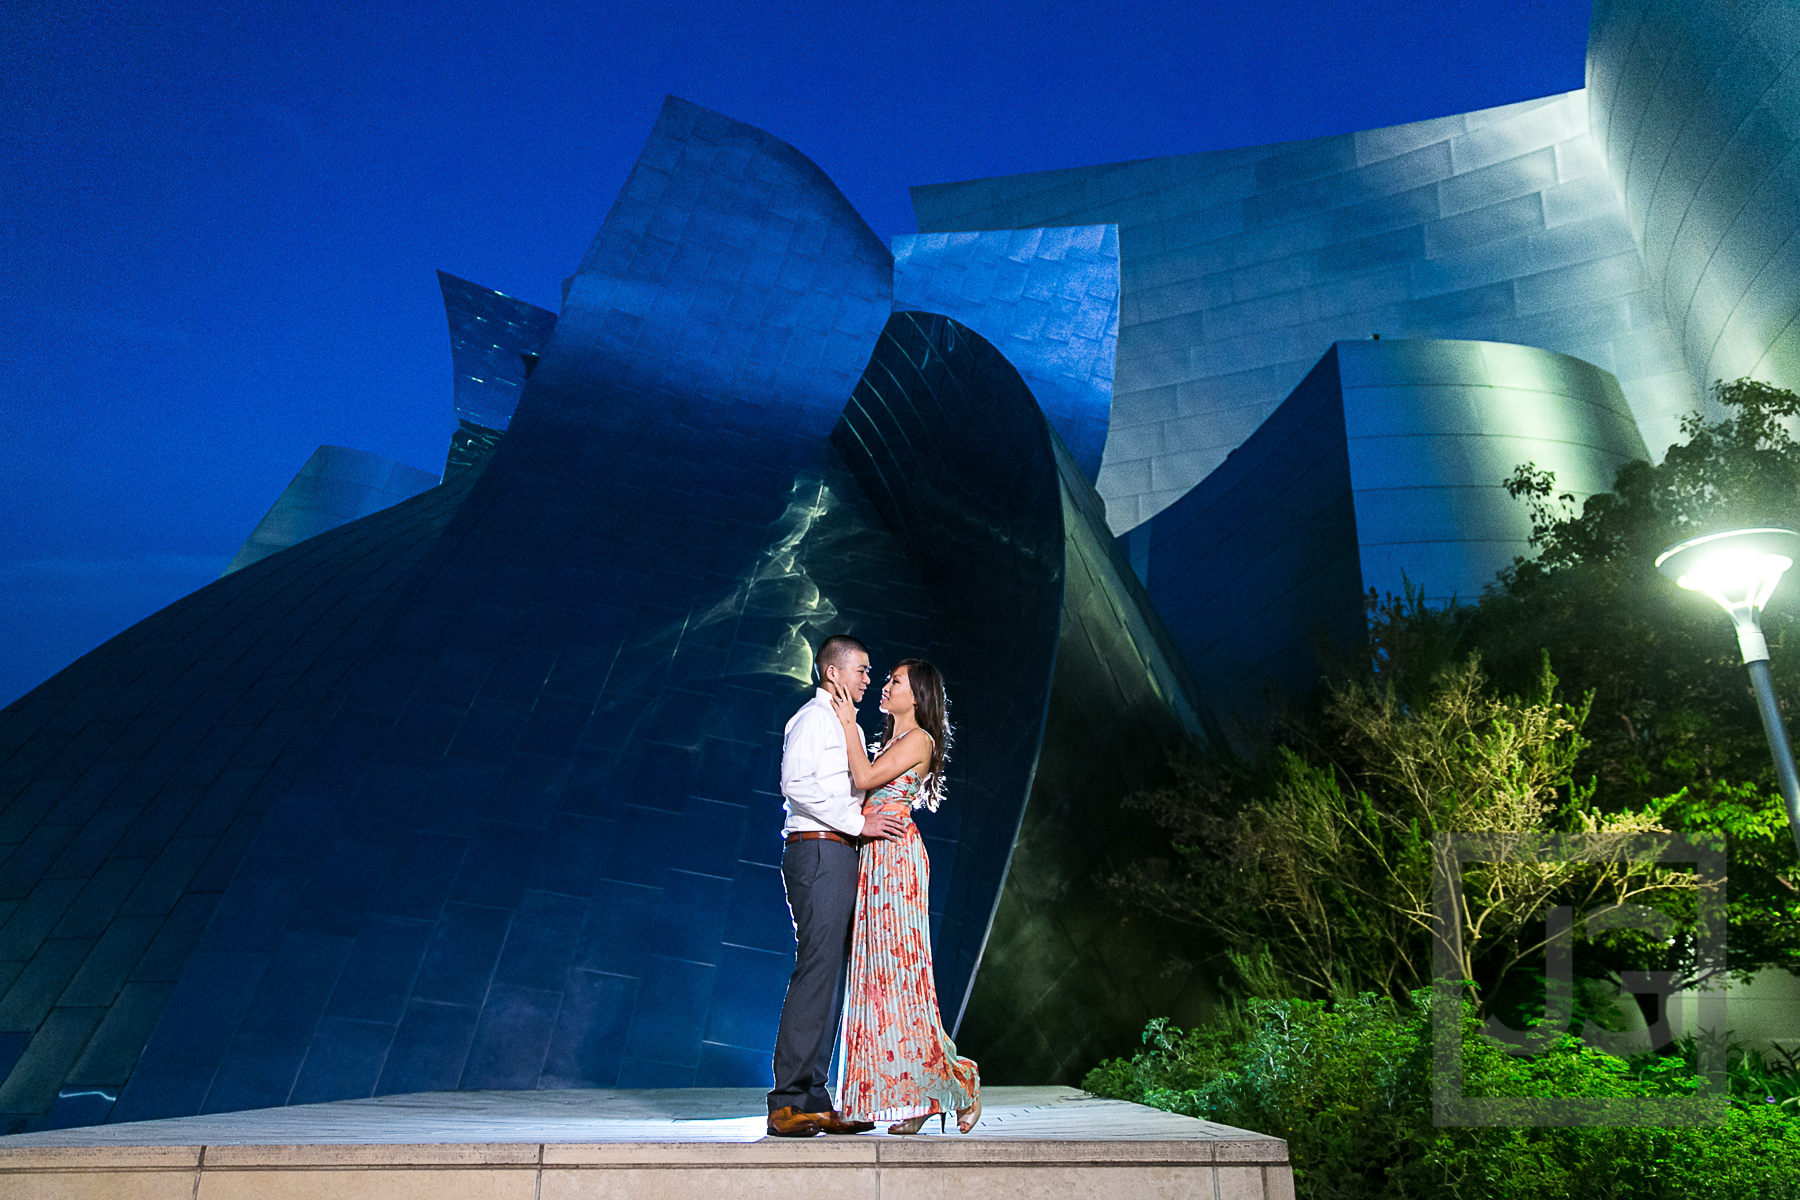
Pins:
x,y
820,835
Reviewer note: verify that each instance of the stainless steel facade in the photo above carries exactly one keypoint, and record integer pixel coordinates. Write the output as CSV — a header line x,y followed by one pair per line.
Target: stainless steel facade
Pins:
x,y
1648,224
1646,227
479,791
337,485
1238,267
1047,298
1010,539
1383,467
495,341
1432,429
1696,106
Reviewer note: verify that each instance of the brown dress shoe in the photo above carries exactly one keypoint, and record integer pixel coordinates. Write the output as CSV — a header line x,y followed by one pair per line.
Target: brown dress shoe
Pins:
x,y
791,1122
835,1123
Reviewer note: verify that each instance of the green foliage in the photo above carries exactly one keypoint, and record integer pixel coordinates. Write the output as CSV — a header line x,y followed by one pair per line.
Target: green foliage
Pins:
x,y
1349,1086
1303,867
1671,711
1671,705
1753,1080
1317,866
1310,855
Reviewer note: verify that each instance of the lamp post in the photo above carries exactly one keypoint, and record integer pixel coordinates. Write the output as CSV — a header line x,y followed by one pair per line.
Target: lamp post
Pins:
x,y
1740,569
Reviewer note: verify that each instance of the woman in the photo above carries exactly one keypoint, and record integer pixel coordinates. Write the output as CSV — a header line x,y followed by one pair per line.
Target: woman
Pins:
x,y
898,1061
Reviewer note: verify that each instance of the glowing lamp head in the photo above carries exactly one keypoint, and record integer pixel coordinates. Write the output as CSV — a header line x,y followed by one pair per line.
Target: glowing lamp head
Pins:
x,y
1739,569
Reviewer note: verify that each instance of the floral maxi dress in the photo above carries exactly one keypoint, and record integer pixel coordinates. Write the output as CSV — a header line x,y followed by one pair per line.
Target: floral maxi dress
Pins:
x,y
898,1061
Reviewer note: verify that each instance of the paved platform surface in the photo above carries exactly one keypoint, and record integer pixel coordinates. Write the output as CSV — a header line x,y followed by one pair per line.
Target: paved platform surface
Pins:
x,y
707,1144
673,1115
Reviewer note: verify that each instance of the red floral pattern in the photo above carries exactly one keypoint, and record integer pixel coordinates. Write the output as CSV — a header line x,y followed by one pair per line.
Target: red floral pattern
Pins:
x,y
898,1061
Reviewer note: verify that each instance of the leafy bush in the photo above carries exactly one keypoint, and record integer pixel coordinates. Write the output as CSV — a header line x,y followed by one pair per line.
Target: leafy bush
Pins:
x,y
1348,1085
1671,712
1310,847
1319,860
1302,864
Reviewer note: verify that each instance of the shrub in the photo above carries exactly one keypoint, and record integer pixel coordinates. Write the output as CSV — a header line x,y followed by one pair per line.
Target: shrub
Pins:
x,y
1348,1085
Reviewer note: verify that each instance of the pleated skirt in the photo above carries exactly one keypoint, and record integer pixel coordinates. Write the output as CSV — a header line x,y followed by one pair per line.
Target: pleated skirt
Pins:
x,y
898,1061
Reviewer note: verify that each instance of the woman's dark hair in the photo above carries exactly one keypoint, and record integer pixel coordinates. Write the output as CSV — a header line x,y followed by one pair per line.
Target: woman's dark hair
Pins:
x,y
931,709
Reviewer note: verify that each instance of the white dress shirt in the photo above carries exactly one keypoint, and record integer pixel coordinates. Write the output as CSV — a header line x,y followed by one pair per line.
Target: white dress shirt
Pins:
x,y
815,772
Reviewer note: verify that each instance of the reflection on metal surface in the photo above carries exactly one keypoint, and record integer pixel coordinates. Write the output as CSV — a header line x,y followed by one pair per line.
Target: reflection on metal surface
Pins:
x,y
530,837
1384,467
1433,429
1048,299
1238,268
335,486
495,341
1697,108
552,779
948,444
470,445
687,318
1064,682
572,726
1064,981
779,587
478,791
206,707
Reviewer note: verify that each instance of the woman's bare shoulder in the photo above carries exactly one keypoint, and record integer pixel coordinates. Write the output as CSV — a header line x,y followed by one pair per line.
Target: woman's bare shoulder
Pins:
x,y
922,746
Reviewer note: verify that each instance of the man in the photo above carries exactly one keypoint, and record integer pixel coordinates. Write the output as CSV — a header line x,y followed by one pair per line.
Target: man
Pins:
x,y
818,868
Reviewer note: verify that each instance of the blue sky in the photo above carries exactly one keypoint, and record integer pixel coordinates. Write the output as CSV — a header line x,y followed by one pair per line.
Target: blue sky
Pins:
x,y
219,223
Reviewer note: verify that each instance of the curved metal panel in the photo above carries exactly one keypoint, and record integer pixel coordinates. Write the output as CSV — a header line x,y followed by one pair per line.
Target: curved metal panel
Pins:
x,y
135,777
1048,299
1384,467
1433,430
335,486
1068,693
730,271
1066,980
1254,564
553,780
955,455
1697,107
495,341
531,837
1238,267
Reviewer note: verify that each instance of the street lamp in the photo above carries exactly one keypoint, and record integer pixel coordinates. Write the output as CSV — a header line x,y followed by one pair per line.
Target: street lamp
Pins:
x,y
1740,569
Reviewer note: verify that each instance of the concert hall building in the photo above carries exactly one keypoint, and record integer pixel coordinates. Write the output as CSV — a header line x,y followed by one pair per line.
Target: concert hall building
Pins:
x,y
470,782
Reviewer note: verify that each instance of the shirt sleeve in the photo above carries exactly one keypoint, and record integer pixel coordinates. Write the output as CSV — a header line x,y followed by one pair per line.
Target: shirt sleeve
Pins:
x,y
803,757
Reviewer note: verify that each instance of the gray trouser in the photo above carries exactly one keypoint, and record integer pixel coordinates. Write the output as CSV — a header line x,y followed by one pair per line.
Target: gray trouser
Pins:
x,y
820,877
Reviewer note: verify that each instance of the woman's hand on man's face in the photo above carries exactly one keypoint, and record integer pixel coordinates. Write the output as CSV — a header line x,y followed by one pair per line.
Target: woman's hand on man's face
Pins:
x,y
841,704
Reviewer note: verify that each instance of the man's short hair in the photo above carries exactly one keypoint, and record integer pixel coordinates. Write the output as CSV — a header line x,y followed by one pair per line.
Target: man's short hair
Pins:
x,y
835,651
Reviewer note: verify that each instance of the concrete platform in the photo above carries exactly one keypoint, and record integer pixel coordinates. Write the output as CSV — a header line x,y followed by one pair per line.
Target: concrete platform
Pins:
x,y
708,1144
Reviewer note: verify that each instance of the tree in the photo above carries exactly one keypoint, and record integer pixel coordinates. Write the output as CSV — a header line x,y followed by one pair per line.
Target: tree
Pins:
x,y
1305,861
1315,871
1672,712
1672,706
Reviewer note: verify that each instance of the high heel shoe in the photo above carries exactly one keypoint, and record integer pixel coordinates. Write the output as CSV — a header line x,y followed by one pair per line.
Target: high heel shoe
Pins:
x,y
967,1117
915,1124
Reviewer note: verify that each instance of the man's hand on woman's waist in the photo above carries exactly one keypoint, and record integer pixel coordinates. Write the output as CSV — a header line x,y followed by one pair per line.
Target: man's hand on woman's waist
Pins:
x,y
883,825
